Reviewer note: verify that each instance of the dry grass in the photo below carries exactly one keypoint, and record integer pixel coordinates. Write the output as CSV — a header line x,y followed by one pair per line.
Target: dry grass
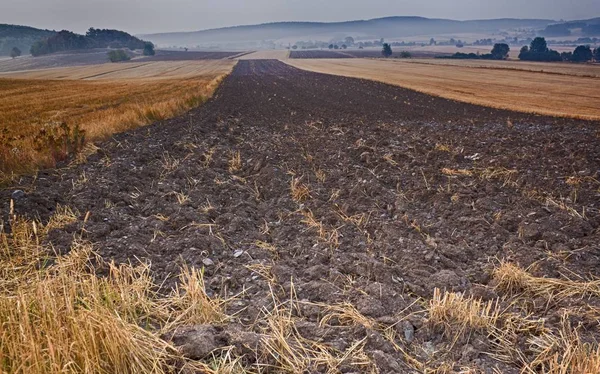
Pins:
x,y
299,191
563,353
458,315
325,234
287,351
512,279
235,162
57,315
566,95
45,121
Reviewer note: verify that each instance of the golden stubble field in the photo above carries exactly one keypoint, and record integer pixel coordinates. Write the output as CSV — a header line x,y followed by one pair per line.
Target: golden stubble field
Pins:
x,y
45,115
550,89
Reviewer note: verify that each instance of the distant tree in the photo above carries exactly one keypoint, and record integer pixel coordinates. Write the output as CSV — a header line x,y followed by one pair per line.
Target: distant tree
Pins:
x,y
336,47
459,45
432,41
500,51
349,40
387,50
186,49
405,54
582,53
330,46
149,49
597,54
538,45
344,46
294,47
118,55
15,52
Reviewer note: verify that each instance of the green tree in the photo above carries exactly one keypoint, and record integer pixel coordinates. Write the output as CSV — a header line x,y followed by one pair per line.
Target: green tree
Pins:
x,y
597,54
15,52
538,45
349,40
149,49
405,54
432,41
582,53
500,51
387,50
330,46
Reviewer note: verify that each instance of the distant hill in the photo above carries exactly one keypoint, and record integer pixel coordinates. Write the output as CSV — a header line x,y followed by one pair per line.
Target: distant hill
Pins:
x,y
390,27
22,37
588,27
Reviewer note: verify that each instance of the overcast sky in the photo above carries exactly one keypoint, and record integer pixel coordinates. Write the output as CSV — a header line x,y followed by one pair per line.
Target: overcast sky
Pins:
x,y
147,16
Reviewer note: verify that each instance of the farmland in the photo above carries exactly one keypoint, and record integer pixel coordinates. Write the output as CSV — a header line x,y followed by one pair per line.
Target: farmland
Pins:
x,y
266,55
88,57
559,89
340,225
100,100
578,70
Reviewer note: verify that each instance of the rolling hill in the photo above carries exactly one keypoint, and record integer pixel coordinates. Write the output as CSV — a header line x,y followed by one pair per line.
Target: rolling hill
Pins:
x,y
389,27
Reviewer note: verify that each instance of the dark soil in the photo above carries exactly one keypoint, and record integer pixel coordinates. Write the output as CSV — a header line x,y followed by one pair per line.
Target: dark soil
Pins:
x,y
382,150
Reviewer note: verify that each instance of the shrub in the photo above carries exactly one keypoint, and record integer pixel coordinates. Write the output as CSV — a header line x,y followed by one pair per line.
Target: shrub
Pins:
x,y
405,54
387,50
118,55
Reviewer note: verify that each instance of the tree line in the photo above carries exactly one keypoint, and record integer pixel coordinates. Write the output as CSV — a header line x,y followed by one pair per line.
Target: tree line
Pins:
x,y
94,38
537,51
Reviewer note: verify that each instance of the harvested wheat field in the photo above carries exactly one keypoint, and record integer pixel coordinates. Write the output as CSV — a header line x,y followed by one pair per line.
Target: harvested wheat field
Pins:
x,y
559,68
300,222
566,94
45,115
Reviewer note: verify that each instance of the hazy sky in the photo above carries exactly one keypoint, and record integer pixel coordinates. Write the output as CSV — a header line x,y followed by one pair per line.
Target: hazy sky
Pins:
x,y
146,16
